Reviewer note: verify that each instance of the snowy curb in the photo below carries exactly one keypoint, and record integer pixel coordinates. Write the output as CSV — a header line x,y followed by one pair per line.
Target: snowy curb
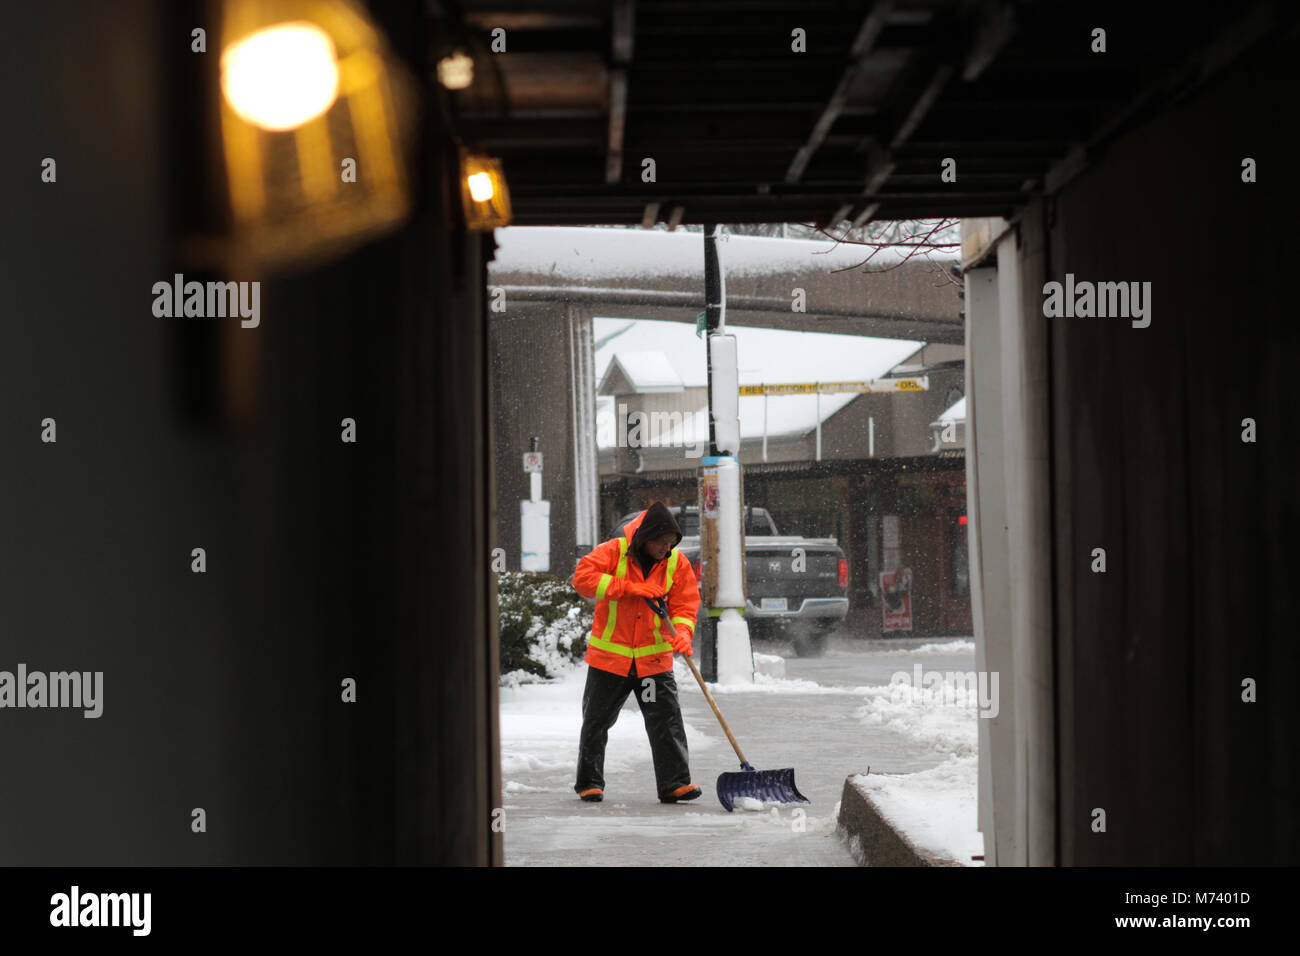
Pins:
x,y
873,841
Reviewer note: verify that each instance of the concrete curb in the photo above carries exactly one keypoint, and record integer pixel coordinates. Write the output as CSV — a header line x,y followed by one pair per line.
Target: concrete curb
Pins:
x,y
873,840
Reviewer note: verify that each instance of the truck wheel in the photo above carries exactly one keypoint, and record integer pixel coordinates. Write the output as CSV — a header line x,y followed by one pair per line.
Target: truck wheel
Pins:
x,y
810,645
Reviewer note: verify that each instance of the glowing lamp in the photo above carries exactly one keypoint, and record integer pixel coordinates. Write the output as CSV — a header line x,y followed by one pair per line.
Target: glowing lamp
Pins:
x,y
281,77
456,72
484,195
315,112
480,187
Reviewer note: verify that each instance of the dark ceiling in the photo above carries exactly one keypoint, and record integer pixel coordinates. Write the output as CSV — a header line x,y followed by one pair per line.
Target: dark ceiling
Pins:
x,y
743,129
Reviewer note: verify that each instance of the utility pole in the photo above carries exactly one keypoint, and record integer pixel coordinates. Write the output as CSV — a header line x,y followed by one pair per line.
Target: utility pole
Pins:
x,y
712,314
727,653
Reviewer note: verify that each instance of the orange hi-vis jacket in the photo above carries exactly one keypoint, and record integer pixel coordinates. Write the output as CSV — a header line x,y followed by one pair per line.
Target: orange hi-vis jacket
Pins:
x,y
626,628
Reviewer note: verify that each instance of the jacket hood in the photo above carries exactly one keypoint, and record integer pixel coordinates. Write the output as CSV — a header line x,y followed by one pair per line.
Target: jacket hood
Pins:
x,y
654,521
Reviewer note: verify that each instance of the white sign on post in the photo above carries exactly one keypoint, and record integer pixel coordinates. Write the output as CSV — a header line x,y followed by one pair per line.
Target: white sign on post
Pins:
x,y
532,461
535,532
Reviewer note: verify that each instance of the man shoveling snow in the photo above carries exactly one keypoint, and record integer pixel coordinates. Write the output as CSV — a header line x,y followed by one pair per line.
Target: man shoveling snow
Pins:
x,y
631,650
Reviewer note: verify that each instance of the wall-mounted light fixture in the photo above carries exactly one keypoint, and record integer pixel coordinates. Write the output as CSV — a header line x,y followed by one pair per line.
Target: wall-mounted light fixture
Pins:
x,y
313,116
483,191
282,76
456,71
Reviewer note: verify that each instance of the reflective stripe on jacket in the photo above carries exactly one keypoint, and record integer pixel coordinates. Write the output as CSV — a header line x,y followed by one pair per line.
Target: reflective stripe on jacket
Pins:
x,y
626,628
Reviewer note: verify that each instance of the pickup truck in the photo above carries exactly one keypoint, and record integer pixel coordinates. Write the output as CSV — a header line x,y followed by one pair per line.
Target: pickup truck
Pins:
x,y
806,604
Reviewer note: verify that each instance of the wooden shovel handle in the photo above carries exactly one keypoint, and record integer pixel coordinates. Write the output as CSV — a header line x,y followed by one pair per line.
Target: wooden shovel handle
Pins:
x,y
717,713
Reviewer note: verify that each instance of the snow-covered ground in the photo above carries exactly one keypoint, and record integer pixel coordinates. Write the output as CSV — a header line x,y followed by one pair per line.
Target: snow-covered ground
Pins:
x,y
919,745
936,808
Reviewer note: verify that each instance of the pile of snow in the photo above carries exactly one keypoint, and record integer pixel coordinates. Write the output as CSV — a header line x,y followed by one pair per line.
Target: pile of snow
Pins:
x,y
942,717
936,808
769,665
959,646
947,647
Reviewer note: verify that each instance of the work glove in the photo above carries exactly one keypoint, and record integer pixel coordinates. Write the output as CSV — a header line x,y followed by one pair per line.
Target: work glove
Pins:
x,y
681,642
643,589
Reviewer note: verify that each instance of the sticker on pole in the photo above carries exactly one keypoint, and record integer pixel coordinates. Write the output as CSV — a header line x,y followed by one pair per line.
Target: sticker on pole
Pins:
x,y
709,493
532,461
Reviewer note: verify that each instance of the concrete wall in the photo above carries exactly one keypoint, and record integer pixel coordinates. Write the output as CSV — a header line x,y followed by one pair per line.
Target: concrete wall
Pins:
x,y
532,376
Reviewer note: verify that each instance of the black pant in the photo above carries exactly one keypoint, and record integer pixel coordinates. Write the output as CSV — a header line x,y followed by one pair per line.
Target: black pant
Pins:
x,y
603,698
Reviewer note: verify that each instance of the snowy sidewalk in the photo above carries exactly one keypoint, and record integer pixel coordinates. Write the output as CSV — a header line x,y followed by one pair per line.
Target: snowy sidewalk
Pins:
x,y
825,729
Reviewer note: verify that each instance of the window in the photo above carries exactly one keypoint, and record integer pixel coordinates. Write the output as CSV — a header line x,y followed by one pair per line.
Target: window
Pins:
x,y
757,521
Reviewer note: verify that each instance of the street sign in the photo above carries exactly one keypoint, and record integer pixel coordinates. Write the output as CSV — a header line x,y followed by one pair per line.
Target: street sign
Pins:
x,y
920,384
532,461
535,535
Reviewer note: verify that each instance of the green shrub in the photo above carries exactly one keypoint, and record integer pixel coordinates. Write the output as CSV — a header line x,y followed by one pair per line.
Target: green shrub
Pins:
x,y
544,625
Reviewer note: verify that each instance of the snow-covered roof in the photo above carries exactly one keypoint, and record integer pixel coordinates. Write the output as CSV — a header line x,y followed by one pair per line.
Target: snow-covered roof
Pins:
x,y
787,415
766,356
590,254
644,370
955,412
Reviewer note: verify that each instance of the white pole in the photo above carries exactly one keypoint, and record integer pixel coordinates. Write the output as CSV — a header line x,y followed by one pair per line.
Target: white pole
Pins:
x,y
871,437
735,652
765,426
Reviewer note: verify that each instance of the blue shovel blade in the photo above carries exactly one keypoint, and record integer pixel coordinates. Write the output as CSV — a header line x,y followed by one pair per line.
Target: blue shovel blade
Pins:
x,y
769,786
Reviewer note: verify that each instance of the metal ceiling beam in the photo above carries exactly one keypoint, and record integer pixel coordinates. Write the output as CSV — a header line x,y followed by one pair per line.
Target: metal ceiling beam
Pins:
x,y
863,43
992,33
622,18
997,24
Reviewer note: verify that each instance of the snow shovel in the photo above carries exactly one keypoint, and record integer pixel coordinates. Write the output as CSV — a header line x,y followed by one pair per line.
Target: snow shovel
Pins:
x,y
772,786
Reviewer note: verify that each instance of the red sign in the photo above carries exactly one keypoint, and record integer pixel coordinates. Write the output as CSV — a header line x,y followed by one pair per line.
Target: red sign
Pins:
x,y
896,599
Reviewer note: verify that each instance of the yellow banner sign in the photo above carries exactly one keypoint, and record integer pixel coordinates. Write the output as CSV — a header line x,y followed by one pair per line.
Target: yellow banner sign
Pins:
x,y
808,388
